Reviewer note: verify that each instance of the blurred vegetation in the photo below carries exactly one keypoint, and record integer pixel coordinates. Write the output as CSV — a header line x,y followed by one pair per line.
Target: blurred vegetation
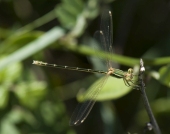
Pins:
x,y
40,100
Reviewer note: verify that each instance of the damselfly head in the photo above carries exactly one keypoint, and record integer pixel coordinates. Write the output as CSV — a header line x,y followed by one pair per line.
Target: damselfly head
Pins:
x,y
130,70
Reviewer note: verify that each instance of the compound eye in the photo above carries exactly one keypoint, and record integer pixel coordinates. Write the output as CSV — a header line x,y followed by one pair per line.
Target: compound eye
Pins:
x,y
130,70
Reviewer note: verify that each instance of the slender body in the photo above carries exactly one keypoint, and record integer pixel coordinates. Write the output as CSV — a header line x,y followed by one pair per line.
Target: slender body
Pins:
x,y
127,76
105,38
112,71
67,67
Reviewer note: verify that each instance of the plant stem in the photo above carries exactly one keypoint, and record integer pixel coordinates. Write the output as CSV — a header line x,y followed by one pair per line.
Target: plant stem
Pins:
x,y
37,23
146,102
124,60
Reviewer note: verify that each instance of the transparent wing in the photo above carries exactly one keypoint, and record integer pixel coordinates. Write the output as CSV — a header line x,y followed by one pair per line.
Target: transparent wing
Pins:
x,y
99,37
104,37
83,109
107,28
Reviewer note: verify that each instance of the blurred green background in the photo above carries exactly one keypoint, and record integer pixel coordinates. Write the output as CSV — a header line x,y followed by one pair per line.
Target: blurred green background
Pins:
x,y
40,100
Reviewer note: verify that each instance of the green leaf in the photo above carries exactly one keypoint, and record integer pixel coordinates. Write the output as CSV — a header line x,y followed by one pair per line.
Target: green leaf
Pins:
x,y
4,33
30,94
33,47
18,115
17,41
8,128
163,104
4,94
53,110
68,11
160,108
160,49
114,88
10,73
165,75
15,116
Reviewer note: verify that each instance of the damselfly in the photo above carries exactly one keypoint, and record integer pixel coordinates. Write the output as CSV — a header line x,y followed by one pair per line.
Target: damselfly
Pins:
x,y
105,37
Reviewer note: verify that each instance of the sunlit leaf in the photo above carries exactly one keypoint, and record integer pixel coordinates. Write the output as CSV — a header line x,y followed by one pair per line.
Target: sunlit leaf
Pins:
x,y
114,88
33,47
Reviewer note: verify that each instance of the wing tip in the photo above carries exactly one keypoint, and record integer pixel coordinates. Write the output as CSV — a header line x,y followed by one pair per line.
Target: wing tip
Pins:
x,y
75,123
110,13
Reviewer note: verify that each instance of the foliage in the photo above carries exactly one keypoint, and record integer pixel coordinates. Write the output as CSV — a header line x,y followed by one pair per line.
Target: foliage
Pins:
x,y
36,99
